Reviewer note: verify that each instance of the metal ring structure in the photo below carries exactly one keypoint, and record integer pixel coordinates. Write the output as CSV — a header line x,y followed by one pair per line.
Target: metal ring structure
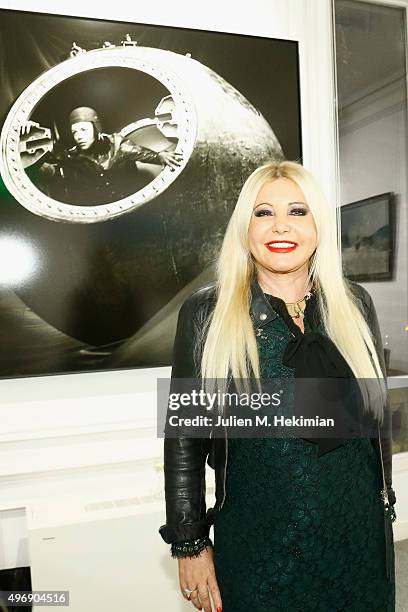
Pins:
x,y
121,273
138,58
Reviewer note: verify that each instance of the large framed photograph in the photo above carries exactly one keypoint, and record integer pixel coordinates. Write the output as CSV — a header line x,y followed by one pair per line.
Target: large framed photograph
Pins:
x,y
367,238
123,150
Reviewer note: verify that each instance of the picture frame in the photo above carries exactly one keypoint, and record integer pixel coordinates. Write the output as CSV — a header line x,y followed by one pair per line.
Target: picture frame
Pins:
x,y
368,238
106,276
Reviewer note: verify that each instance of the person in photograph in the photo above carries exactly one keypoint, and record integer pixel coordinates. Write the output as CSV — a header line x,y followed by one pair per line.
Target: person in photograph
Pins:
x,y
100,168
298,524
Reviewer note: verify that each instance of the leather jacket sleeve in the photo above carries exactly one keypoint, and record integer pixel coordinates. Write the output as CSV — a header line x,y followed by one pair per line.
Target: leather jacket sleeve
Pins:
x,y
185,458
386,427
136,152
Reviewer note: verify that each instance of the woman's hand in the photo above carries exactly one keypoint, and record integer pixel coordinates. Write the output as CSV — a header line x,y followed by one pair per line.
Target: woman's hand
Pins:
x,y
170,158
200,572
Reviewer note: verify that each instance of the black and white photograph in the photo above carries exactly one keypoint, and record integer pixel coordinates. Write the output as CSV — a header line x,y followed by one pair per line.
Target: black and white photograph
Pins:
x,y
106,162
123,150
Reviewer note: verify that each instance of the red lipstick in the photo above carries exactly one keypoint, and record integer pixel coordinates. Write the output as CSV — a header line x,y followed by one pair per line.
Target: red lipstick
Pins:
x,y
281,246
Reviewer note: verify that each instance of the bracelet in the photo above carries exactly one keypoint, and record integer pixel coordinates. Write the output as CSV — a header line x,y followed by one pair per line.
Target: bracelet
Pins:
x,y
189,548
391,495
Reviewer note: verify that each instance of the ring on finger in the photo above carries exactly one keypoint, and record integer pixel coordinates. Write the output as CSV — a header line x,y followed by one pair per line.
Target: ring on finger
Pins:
x,y
189,591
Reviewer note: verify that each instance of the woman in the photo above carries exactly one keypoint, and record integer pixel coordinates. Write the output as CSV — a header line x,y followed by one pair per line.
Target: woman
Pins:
x,y
100,168
298,524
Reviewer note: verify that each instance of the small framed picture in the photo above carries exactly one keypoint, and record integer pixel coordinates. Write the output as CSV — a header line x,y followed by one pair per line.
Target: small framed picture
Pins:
x,y
367,238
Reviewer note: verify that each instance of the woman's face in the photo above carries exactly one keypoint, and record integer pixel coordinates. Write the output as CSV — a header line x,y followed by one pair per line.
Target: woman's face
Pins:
x,y
84,134
282,233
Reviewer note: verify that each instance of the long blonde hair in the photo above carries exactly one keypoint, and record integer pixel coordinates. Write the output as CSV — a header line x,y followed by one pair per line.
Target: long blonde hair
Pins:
x,y
228,345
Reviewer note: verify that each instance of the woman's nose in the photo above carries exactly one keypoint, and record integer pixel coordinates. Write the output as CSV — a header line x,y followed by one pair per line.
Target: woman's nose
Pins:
x,y
280,224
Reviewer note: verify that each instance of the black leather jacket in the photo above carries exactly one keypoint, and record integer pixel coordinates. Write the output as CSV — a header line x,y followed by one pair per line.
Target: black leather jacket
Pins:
x,y
103,174
185,458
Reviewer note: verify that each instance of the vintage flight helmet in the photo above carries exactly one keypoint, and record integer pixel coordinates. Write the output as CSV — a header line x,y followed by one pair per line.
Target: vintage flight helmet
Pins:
x,y
86,113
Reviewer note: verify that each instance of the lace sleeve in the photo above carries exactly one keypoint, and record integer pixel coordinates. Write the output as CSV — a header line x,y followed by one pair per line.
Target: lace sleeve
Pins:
x,y
189,548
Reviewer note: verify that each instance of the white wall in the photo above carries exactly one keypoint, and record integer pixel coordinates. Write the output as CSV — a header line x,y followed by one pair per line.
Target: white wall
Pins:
x,y
373,159
373,156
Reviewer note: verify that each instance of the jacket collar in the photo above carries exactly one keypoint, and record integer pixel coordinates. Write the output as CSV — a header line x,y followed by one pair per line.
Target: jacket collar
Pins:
x,y
261,311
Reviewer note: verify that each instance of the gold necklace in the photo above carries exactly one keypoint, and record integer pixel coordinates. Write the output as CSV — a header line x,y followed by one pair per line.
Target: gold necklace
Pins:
x,y
296,309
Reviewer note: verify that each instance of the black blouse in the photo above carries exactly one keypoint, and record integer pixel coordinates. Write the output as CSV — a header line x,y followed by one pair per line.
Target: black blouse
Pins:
x,y
314,355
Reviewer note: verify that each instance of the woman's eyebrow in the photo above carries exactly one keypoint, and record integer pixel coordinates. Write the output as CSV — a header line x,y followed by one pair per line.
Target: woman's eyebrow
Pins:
x,y
269,204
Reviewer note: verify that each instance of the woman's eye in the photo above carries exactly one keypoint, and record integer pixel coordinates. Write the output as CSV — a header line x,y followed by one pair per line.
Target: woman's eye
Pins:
x,y
262,212
267,211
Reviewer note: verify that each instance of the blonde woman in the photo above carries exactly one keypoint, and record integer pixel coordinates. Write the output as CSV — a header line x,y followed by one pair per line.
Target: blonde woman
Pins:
x,y
298,524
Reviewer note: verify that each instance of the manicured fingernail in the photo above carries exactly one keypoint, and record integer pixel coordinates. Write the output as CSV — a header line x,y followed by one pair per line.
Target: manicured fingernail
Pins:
x,y
219,609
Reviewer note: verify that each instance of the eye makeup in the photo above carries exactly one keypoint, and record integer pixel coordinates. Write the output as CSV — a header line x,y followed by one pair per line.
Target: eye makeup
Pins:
x,y
298,211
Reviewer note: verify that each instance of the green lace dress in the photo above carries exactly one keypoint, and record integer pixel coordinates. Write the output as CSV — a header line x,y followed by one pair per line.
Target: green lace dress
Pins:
x,y
299,532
